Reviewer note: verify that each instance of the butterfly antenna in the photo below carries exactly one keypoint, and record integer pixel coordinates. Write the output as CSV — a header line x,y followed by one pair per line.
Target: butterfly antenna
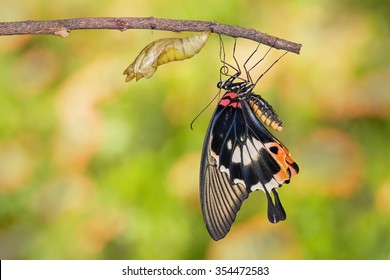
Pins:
x,y
204,109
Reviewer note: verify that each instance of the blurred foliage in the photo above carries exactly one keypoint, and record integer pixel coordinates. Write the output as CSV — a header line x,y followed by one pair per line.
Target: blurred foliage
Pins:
x,y
95,168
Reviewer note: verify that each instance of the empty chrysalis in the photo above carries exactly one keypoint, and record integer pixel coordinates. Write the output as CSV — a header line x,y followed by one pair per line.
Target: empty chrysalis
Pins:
x,y
163,51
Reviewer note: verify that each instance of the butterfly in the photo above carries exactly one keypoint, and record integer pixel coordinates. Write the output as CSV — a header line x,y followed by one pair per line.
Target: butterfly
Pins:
x,y
240,155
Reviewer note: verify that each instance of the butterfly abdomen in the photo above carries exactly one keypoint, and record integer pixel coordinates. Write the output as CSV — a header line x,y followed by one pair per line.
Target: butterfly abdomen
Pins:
x,y
264,112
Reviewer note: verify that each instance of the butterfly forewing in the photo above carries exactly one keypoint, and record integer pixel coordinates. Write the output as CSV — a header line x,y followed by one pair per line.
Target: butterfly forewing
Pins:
x,y
220,197
240,156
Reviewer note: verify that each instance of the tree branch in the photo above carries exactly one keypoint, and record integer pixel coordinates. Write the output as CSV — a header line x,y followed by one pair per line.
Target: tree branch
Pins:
x,y
63,27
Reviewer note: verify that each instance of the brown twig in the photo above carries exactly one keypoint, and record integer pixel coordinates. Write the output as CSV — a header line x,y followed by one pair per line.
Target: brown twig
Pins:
x,y
63,27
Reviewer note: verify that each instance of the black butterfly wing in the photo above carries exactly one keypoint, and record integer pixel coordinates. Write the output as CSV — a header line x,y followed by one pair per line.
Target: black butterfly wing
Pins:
x,y
239,156
220,199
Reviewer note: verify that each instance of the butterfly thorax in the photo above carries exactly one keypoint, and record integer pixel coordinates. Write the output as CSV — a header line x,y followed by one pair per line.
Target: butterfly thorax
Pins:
x,y
262,109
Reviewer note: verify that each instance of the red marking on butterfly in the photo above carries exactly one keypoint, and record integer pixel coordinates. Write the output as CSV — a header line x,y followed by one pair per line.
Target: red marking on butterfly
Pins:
x,y
227,100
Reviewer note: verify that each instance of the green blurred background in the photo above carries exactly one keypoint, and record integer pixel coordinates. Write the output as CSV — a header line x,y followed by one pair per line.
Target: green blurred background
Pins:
x,y
92,167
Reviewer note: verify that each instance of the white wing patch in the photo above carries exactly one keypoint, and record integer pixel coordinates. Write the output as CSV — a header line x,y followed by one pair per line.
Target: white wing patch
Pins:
x,y
224,169
258,144
269,186
236,158
246,156
239,181
253,151
229,144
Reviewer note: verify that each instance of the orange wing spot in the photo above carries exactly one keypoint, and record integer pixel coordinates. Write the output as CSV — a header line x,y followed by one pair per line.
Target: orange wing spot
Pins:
x,y
288,167
294,167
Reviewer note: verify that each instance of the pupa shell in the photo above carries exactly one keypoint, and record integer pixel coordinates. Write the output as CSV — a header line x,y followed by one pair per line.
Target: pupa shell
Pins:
x,y
163,51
